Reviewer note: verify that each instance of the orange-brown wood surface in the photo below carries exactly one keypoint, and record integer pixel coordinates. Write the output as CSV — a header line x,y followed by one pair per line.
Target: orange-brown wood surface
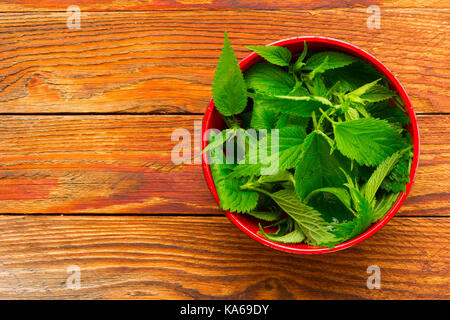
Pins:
x,y
86,176
144,5
163,62
122,164
207,257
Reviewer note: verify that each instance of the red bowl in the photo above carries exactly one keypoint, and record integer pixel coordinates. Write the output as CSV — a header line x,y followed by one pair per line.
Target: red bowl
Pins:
x,y
213,119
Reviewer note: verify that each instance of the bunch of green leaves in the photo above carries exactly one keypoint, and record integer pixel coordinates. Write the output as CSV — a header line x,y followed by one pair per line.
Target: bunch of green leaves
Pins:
x,y
343,154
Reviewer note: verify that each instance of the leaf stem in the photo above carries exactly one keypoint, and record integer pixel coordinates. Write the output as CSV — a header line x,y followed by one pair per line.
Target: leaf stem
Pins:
x,y
319,125
252,187
314,120
326,116
251,95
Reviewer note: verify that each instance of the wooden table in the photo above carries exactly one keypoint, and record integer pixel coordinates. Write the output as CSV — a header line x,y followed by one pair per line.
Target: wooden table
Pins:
x,y
86,177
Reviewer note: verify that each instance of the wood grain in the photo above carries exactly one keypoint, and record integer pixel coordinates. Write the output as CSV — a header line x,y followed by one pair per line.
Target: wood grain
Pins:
x,y
163,62
209,258
136,5
122,164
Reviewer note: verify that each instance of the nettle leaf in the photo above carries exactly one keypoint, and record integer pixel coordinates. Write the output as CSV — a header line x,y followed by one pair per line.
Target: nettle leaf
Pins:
x,y
394,185
286,119
262,117
340,193
290,141
310,221
295,236
351,114
370,92
290,146
330,207
383,205
280,176
368,141
328,60
229,89
280,56
299,91
267,78
399,176
319,87
381,172
298,65
299,106
219,139
319,69
317,168
364,216
355,94
353,76
230,196
269,216
377,93
384,111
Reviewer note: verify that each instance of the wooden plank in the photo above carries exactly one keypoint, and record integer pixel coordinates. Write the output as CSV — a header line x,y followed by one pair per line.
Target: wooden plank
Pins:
x,y
164,62
122,164
134,5
208,258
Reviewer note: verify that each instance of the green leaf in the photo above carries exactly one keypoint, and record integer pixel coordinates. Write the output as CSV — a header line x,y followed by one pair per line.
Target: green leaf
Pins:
x,y
394,186
298,65
384,111
299,91
340,193
319,87
310,221
280,56
352,76
295,236
229,89
399,177
317,70
299,106
267,78
317,168
370,92
368,141
230,196
351,114
290,140
290,146
219,139
286,119
377,93
268,216
330,207
280,176
383,205
355,94
263,117
349,230
381,172
328,60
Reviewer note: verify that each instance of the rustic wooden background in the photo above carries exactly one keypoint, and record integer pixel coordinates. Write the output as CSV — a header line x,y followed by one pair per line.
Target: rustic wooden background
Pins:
x,y
86,179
